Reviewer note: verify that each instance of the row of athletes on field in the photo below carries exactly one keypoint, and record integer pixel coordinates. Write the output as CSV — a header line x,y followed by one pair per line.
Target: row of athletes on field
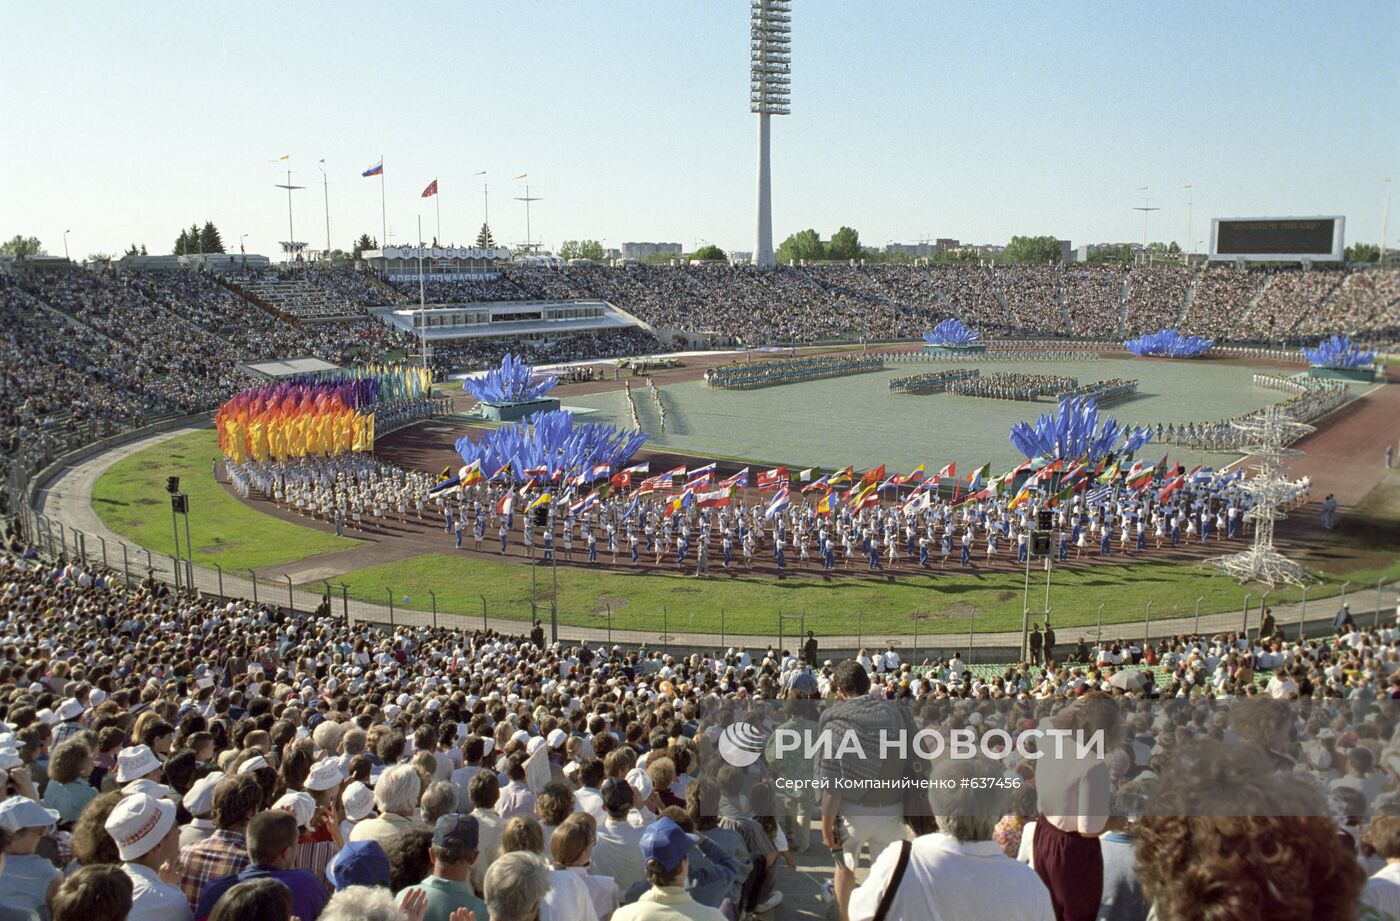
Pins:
x,y
360,493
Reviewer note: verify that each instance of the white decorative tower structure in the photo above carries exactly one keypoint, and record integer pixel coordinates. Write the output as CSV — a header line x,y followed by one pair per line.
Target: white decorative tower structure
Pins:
x,y
1267,437
770,34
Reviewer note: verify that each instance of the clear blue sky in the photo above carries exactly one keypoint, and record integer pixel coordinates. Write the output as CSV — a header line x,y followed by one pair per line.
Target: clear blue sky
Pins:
x,y
975,121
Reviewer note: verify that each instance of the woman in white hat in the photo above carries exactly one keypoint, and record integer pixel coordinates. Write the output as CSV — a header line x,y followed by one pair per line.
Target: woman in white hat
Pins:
x,y
358,800
27,879
148,841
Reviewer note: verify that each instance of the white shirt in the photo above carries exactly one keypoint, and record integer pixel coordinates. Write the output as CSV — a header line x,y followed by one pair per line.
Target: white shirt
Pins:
x,y
601,889
488,844
618,853
950,880
1382,890
154,900
591,801
567,899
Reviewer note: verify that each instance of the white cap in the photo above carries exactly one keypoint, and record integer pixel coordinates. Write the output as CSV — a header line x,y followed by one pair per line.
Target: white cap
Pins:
x,y
136,762
199,800
255,763
324,775
48,716
70,709
358,800
9,758
147,786
557,737
638,780
21,812
298,804
138,824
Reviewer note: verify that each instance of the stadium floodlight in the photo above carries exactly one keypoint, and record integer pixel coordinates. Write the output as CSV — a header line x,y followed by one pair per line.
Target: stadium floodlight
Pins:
x,y
770,28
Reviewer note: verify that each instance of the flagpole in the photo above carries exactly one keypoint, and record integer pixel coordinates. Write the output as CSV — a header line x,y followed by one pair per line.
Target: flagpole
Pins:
x,y
437,200
422,297
326,188
383,212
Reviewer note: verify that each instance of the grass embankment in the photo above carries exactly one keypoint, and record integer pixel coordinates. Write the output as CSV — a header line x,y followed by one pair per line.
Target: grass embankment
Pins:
x,y
130,498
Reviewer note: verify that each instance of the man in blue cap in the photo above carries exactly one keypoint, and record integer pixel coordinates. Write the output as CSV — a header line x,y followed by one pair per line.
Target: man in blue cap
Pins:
x,y
454,851
359,863
665,848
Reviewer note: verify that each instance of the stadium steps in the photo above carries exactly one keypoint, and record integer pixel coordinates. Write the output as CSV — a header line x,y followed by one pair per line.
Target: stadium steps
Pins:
x,y
1064,300
68,318
1124,292
1189,297
1249,308
944,304
251,298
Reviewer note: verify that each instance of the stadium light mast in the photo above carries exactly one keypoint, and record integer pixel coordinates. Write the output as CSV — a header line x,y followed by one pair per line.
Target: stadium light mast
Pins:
x,y
770,37
527,198
291,236
1146,209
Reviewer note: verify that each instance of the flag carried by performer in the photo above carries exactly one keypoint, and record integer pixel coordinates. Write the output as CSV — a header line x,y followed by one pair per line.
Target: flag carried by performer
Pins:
x,y
806,475
779,503
818,484
740,479
543,498
505,504
828,503
679,501
431,190
700,471
501,471
375,170
913,476
471,473
874,475
443,474
772,479
842,477
643,467
919,501
867,497
716,499
949,471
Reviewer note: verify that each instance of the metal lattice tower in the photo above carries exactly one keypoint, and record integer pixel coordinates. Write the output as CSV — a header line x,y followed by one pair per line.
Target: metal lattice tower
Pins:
x,y
770,64
1267,436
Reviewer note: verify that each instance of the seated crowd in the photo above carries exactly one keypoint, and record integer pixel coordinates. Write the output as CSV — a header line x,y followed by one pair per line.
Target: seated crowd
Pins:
x,y
176,757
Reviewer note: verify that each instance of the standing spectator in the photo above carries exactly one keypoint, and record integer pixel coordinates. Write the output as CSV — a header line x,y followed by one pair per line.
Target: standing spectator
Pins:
x,y
948,875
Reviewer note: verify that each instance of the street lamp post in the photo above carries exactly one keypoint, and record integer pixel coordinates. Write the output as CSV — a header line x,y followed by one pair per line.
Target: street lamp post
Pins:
x,y
65,243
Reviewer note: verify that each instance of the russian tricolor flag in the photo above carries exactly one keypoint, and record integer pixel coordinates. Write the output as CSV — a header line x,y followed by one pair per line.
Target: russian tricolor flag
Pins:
x,y
375,170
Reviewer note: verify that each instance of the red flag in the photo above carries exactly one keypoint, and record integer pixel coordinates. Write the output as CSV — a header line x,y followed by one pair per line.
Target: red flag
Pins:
x,y
949,471
771,479
431,190
874,475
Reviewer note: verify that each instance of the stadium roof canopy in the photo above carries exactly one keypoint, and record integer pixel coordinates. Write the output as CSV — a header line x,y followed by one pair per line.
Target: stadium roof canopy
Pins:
x,y
272,370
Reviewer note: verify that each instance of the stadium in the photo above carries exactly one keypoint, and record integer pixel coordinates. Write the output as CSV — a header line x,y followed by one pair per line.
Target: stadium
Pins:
x,y
417,578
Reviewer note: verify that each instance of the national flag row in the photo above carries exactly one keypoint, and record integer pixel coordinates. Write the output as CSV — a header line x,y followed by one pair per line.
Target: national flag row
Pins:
x,y
702,487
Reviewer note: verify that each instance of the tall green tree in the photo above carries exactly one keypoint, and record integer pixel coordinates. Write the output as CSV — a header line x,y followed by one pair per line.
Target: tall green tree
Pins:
x,y
22,246
590,249
709,252
484,240
365,242
844,244
1033,249
210,241
1363,252
805,244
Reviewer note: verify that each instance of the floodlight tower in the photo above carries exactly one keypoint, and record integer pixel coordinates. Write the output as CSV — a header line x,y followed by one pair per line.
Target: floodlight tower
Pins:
x,y
1268,434
770,34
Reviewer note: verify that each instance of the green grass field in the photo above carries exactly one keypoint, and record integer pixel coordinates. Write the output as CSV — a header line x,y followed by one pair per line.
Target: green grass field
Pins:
x,y
130,499
946,604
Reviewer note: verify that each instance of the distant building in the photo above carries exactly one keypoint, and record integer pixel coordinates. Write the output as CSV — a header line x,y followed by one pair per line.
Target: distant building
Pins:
x,y
1085,250
740,257
924,249
643,250
1066,251
612,252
